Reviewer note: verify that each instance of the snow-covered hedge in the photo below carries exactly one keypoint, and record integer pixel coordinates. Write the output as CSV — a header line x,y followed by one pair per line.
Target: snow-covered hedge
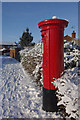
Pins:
x,y
67,92
31,60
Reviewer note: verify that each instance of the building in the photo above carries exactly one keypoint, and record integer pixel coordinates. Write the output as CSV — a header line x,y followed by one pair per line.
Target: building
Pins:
x,y
7,45
73,38
14,53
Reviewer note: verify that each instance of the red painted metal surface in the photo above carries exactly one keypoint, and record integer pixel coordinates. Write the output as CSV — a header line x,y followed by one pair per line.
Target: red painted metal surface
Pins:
x,y
53,50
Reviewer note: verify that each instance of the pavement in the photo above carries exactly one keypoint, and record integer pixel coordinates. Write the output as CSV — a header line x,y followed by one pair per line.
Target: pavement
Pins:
x,y
20,97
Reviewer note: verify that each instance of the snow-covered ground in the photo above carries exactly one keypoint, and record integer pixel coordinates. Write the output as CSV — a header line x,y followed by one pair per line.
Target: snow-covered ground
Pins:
x,y
19,96
69,82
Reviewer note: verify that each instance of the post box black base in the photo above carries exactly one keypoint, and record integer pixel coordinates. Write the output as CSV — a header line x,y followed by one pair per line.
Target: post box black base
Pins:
x,y
49,100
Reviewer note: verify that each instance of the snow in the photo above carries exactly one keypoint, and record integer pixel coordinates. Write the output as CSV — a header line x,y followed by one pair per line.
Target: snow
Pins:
x,y
54,17
67,92
7,43
2,49
20,97
36,51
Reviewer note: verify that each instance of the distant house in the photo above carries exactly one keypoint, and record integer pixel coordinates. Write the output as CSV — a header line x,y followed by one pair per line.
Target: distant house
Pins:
x,y
73,38
14,53
7,45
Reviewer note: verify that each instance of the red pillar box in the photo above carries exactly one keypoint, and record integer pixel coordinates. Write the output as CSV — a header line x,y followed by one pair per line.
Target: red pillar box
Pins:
x,y
53,58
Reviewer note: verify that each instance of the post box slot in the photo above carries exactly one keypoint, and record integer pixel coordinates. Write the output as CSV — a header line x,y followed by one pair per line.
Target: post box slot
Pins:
x,y
42,35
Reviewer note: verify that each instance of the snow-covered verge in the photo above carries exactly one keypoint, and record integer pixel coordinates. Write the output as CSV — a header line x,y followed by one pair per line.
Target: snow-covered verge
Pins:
x,y
19,96
67,92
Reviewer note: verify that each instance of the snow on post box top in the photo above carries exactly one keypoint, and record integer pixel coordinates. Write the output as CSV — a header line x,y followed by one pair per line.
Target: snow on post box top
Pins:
x,y
54,21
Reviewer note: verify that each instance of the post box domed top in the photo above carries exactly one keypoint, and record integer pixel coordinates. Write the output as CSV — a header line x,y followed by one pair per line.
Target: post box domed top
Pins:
x,y
54,21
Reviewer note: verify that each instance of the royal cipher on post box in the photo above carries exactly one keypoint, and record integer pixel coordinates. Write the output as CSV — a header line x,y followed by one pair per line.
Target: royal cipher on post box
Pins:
x,y
53,58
